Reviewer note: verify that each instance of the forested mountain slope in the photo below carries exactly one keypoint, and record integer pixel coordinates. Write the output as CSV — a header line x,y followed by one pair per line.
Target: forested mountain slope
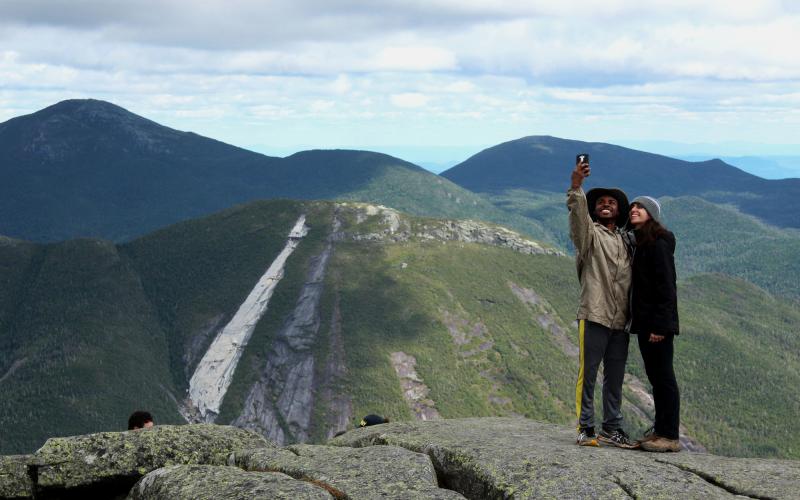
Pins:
x,y
376,312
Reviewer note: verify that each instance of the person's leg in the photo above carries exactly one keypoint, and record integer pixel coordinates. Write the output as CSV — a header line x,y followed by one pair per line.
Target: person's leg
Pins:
x,y
614,360
657,358
665,389
593,339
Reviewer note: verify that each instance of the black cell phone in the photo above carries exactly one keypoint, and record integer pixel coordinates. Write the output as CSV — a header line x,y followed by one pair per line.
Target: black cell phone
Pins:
x,y
582,158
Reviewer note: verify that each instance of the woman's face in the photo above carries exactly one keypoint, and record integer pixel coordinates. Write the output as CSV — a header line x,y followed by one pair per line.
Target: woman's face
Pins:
x,y
638,215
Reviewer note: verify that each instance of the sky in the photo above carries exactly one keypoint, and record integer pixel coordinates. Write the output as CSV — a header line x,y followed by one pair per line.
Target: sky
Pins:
x,y
431,81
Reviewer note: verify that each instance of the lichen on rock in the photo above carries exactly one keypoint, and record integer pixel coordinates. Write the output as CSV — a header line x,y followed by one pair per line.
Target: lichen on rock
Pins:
x,y
359,473
102,459
208,482
480,458
520,458
14,480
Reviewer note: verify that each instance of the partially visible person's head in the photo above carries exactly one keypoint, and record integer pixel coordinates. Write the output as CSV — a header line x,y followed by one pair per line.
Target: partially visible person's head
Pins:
x,y
608,206
140,420
373,420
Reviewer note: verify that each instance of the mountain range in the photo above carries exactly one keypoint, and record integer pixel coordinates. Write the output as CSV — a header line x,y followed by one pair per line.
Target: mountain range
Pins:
x,y
376,312
130,247
543,163
87,168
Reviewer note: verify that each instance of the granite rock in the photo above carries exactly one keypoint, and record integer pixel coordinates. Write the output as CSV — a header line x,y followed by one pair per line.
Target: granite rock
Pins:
x,y
111,462
14,479
365,473
519,458
209,482
474,457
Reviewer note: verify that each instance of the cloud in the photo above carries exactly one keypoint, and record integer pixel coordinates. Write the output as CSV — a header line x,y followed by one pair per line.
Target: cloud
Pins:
x,y
415,59
409,100
521,67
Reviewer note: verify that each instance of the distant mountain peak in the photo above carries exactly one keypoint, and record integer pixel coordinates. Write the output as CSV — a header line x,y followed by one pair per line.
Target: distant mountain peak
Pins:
x,y
72,127
73,105
97,112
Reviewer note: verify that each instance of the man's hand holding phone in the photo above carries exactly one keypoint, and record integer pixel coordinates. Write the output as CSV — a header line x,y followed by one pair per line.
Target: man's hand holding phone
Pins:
x,y
582,170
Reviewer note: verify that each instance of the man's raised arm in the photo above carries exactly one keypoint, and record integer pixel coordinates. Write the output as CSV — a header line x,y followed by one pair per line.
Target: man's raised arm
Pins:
x,y
580,224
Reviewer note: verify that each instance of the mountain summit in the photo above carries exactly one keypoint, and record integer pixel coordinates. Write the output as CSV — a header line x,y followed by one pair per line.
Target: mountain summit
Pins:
x,y
89,168
543,163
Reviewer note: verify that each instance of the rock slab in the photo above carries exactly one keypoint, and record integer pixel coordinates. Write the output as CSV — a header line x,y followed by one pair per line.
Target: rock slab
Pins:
x,y
362,473
209,482
14,479
439,459
111,462
500,458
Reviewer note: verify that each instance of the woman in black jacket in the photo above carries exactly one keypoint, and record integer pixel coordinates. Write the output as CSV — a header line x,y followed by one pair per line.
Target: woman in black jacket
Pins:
x,y
654,318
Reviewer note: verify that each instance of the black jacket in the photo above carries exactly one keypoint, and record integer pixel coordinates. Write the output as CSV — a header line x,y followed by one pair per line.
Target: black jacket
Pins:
x,y
654,298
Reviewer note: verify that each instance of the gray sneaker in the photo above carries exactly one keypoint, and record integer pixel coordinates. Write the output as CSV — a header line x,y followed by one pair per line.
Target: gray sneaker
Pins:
x,y
617,438
586,437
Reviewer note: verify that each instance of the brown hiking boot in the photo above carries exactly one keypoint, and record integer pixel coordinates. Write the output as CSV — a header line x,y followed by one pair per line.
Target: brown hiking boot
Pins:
x,y
661,444
649,435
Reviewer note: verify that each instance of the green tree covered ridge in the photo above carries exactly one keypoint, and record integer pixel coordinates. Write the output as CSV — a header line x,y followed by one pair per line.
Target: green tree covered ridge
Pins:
x,y
92,330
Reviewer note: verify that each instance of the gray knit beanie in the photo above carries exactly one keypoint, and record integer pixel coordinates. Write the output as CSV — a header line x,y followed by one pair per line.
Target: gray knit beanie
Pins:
x,y
652,206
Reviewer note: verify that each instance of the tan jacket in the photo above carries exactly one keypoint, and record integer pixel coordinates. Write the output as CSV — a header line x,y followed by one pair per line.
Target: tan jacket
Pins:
x,y
604,266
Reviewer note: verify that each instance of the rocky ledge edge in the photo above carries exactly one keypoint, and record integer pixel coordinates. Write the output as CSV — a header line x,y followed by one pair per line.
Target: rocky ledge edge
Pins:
x,y
441,459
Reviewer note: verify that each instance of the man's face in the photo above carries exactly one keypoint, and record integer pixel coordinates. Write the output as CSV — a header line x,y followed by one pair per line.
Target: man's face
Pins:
x,y
606,208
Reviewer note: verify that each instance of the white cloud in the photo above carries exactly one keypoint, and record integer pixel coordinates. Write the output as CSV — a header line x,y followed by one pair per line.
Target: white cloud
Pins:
x,y
341,85
461,87
320,106
414,59
522,67
409,100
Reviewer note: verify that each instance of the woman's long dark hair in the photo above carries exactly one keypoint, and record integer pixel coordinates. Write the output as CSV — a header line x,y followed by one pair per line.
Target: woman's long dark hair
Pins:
x,y
648,232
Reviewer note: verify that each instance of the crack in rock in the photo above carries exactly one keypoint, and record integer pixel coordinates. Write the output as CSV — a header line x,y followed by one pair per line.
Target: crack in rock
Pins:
x,y
627,489
712,480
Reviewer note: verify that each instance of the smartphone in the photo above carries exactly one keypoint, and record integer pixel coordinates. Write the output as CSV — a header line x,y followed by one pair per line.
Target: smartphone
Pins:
x,y
582,158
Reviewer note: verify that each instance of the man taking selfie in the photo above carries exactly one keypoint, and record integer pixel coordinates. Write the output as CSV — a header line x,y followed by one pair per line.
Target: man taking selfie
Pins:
x,y
604,271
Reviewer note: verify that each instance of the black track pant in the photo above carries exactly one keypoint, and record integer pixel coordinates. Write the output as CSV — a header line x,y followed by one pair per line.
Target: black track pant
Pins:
x,y
598,343
657,358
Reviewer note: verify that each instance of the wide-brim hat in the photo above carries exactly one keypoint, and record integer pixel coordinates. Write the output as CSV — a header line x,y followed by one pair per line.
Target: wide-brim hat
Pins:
x,y
617,194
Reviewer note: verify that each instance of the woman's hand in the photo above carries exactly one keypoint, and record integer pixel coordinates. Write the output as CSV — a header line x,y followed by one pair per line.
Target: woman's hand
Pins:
x,y
656,338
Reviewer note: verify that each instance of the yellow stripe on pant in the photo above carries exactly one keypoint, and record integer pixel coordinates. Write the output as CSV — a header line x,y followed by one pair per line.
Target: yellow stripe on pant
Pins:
x,y
579,385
